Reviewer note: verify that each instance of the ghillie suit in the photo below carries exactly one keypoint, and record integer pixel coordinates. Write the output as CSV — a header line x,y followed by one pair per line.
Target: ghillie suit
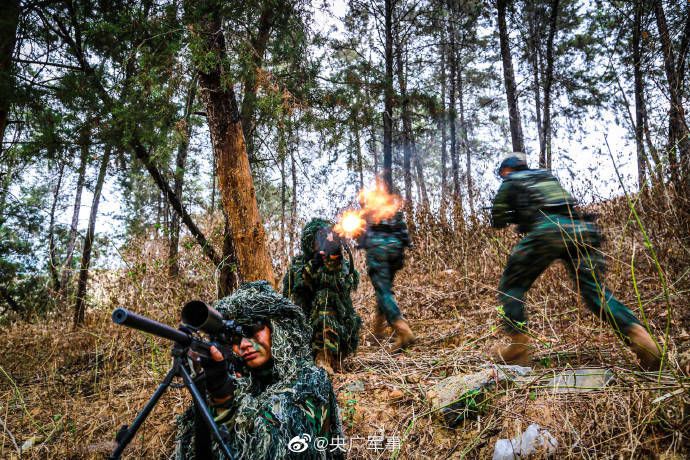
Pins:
x,y
536,202
293,284
270,408
385,242
321,285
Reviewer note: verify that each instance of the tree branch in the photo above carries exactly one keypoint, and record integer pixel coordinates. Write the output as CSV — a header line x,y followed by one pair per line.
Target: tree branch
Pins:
x,y
53,64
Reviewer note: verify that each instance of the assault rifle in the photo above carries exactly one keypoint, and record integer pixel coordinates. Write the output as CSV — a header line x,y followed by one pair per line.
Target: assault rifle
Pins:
x,y
330,245
197,317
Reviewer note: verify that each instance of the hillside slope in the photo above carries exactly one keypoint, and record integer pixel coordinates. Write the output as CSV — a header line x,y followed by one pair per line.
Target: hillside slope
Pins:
x,y
64,393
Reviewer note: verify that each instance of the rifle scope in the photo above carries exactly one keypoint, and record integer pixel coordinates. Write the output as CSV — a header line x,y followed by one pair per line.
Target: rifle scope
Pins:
x,y
201,316
130,319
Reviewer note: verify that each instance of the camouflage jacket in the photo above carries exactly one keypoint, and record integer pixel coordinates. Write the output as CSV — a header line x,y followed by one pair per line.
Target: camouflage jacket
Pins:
x,y
393,227
338,276
526,197
294,287
331,283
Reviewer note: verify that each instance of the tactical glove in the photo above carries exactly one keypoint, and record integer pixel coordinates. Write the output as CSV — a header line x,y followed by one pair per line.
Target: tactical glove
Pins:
x,y
316,260
218,381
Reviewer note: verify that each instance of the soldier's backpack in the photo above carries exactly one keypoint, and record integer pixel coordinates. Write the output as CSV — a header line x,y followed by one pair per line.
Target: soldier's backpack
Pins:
x,y
541,194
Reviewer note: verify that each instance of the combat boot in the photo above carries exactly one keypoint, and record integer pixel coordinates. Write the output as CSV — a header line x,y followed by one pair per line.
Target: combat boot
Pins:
x,y
322,360
644,347
404,334
378,326
517,352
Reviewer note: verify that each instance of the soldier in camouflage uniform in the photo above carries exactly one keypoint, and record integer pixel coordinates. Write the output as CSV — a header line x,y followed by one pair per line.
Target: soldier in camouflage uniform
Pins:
x,y
385,242
281,395
554,229
294,287
321,284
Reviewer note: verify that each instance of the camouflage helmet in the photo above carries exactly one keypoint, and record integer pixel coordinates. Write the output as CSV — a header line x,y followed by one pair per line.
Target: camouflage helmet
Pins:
x,y
515,160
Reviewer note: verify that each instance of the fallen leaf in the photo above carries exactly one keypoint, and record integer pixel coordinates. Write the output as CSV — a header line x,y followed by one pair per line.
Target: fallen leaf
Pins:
x,y
396,394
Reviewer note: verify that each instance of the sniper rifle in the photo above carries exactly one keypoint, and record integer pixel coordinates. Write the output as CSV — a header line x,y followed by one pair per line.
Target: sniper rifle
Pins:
x,y
188,345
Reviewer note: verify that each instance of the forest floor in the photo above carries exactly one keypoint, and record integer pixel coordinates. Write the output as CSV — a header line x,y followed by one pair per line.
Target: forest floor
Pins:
x,y
65,392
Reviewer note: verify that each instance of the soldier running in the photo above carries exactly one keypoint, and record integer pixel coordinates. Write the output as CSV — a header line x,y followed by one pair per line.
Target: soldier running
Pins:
x,y
385,241
536,202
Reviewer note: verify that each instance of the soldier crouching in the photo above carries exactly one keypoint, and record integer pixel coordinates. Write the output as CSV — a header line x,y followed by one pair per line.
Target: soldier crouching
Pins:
x,y
321,280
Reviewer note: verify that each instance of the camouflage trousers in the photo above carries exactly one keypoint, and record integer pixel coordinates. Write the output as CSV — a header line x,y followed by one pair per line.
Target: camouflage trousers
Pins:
x,y
334,323
576,243
325,326
384,258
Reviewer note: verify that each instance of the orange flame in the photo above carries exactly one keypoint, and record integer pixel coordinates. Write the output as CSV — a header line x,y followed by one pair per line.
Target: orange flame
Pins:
x,y
377,204
351,224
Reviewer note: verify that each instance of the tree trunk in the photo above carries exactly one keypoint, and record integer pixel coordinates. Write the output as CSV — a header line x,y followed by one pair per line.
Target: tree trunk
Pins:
x,y
509,79
282,154
387,172
80,308
180,164
5,180
534,45
293,206
451,104
258,42
159,213
639,94
406,133
374,153
443,122
420,178
548,80
372,126
232,164
83,158
166,218
452,62
8,40
658,166
213,188
51,230
679,144
466,144
360,162
230,274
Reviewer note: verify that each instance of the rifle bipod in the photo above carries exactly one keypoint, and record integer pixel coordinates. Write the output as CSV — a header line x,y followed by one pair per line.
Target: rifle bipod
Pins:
x,y
179,369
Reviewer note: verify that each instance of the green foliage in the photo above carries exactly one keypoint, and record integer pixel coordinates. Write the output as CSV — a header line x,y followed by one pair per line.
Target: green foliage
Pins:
x,y
32,293
349,412
92,76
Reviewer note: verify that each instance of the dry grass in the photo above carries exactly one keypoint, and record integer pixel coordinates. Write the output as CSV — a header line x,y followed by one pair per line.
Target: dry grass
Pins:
x,y
70,390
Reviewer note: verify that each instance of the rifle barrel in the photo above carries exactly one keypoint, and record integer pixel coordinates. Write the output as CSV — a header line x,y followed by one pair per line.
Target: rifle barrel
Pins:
x,y
130,319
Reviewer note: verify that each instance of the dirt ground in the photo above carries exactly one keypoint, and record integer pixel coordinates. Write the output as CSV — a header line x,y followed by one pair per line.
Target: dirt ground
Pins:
x,y
64,392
